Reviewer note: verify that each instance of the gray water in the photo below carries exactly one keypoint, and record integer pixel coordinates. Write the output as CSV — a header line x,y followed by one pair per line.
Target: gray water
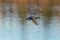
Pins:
x,y
11,28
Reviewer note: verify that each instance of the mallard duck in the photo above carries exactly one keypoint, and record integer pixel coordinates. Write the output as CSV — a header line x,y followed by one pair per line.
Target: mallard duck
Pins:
x,y
33,18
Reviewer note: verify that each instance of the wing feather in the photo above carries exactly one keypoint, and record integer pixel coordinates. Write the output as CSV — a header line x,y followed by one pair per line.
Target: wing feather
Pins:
x,y
34,21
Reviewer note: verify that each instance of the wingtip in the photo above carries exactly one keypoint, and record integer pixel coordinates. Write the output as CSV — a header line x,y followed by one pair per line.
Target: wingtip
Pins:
x,y
36,24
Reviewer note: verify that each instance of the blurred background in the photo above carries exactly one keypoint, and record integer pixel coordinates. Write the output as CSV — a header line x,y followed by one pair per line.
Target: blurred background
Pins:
x,y
14,26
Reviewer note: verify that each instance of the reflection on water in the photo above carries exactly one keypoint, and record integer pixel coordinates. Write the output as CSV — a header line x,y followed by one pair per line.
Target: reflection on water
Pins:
x,y
11,27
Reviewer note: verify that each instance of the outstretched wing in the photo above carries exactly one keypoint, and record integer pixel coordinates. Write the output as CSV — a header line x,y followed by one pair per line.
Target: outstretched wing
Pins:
x,y
34,21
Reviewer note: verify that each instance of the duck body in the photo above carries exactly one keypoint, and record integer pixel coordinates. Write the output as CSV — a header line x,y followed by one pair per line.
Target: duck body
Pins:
x,y
31,18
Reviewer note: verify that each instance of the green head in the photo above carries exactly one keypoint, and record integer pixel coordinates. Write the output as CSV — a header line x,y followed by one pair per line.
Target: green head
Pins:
x,y
37,17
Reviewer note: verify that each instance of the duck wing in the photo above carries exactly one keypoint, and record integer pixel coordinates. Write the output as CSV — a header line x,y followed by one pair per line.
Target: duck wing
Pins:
x,y
34,21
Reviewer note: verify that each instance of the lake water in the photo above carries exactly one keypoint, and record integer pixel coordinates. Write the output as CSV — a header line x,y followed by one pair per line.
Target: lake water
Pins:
x,y
12,29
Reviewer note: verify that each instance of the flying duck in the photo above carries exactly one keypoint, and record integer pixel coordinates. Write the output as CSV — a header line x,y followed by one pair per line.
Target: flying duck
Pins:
x,y
33,18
